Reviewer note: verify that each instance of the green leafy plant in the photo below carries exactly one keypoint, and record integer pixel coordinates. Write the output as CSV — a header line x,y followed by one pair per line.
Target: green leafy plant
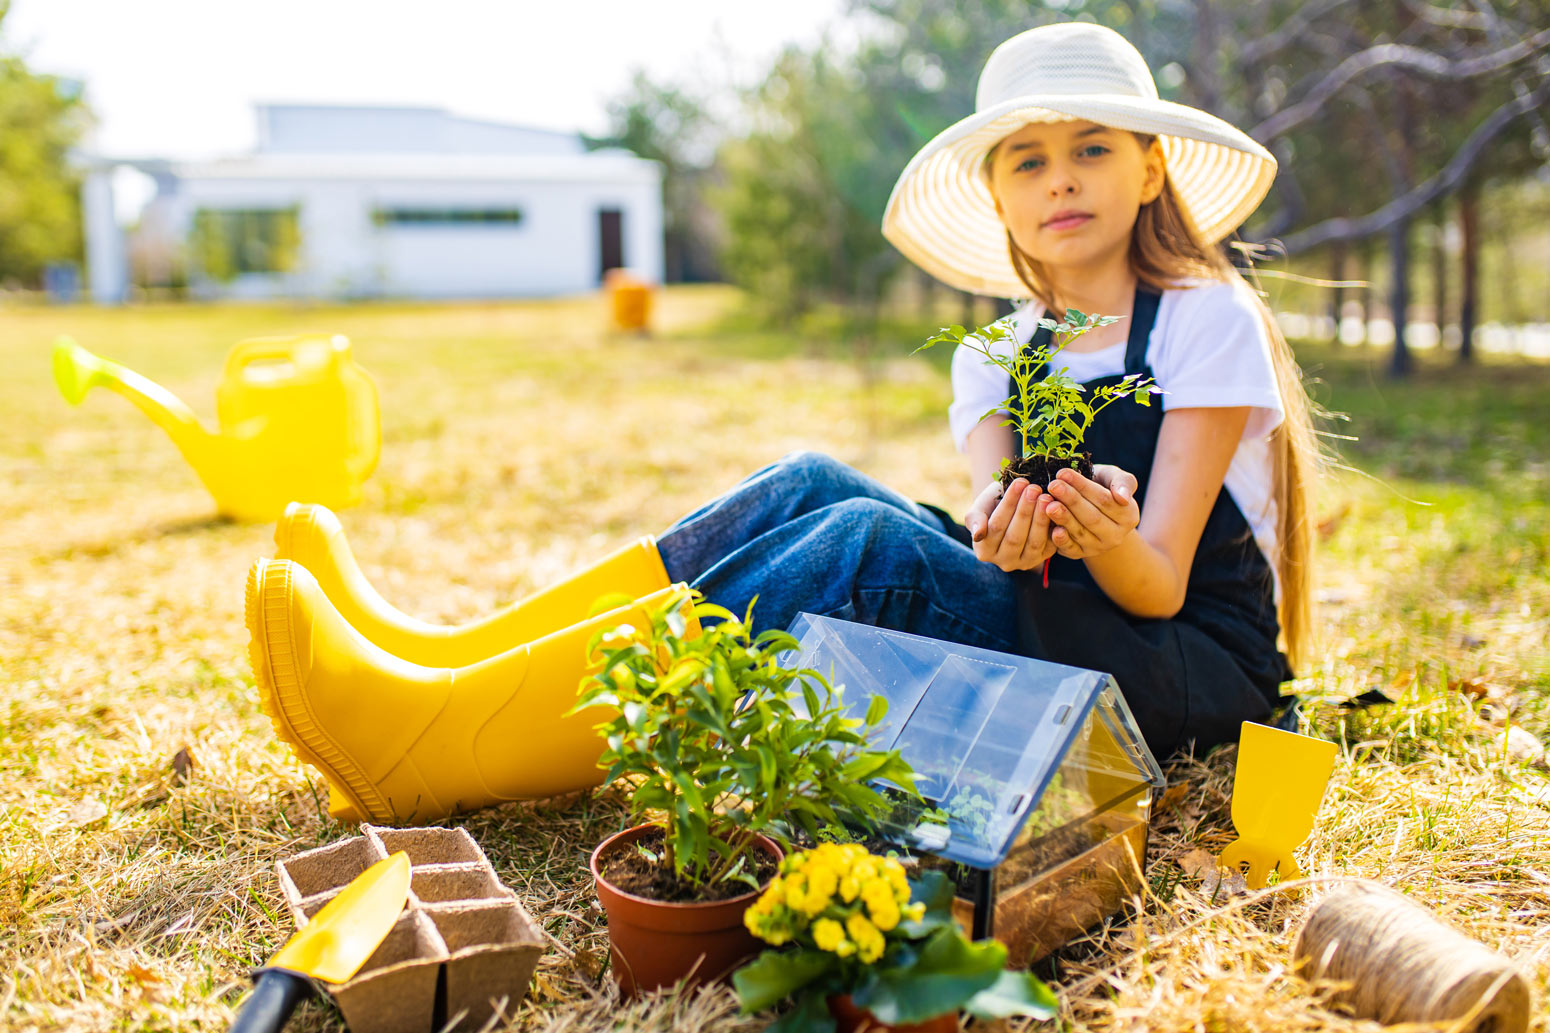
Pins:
x,y
1052,412
704,721
970,808
851,924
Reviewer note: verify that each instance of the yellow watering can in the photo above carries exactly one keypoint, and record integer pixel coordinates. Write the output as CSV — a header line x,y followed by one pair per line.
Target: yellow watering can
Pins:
x,y
298,417
1275,797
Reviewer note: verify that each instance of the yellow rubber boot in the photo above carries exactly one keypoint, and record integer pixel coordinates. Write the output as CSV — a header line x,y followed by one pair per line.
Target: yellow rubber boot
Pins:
x,y
402,743
312,537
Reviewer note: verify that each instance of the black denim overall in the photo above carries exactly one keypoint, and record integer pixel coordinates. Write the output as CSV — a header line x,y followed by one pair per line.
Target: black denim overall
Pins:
x,y
1200,674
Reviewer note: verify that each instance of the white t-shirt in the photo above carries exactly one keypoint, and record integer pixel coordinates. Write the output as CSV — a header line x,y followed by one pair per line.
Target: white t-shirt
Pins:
x,y
1207,349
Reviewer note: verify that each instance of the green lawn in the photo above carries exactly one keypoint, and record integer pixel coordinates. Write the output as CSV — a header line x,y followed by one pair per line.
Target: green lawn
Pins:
x,y
519,440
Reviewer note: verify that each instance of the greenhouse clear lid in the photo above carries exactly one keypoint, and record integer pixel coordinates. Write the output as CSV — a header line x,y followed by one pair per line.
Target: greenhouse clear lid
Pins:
x,y
979,727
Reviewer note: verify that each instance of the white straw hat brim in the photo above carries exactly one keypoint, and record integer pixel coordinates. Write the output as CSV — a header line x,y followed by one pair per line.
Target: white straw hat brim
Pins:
x,y
941,215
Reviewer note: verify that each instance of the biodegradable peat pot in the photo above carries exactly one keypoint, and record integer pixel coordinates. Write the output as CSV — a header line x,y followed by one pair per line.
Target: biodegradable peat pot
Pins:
x,y
656,943
853,1019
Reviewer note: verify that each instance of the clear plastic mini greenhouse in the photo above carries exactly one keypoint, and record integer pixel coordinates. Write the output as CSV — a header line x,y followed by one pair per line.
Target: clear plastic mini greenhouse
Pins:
x,y
1037,784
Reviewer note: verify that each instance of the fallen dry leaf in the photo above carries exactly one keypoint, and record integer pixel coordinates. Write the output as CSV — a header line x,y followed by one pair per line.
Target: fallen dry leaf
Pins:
x,y
546,989
588,964
1494,711
1524,747
182,764
1174,795
1330,524
87,811
142,975
1214,880
1475,687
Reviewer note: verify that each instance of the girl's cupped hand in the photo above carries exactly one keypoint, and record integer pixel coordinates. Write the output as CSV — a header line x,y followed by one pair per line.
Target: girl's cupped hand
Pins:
x,y
1090,517
1011,529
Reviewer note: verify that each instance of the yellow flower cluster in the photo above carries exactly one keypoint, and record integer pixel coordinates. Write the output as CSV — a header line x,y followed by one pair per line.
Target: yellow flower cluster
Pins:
x,y
841,897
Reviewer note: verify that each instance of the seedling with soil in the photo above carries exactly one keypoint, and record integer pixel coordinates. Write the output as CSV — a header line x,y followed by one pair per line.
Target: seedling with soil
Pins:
x,y
1050,413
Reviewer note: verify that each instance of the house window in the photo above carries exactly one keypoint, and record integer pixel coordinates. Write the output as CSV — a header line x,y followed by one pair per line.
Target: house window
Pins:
x,y
446,216
227,242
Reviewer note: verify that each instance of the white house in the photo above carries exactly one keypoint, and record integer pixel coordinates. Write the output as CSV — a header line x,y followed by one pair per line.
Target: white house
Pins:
x,y
342,202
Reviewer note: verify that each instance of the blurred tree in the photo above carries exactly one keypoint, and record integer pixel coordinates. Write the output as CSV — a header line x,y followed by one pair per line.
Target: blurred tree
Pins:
x,y
41,118
1378,110
667,124
1418,93
832,128
805,190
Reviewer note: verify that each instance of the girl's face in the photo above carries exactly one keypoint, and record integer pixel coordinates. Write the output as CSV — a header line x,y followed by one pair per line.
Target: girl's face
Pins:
x,y
1069,192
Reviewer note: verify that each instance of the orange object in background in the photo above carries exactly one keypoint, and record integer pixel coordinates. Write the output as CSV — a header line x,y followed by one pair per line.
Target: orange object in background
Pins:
x,y
629,300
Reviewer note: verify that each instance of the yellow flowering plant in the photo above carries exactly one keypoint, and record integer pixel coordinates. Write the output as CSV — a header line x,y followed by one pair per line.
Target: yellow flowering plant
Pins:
x,y
846,921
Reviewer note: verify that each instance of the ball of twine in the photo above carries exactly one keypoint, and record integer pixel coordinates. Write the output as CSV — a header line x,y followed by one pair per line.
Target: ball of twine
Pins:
x,y
1400,964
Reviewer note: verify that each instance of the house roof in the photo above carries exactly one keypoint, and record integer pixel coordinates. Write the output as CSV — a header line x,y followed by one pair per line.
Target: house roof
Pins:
x,y
373,129
587,167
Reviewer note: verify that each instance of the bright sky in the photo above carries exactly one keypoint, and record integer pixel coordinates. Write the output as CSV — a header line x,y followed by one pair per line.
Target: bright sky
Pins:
x,y
178,78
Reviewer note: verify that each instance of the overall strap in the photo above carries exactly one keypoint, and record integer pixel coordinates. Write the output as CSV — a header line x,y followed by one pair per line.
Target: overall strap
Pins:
x,y
1143,313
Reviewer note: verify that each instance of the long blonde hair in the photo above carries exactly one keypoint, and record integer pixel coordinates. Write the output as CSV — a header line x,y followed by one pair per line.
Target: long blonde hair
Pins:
x,y
1165,251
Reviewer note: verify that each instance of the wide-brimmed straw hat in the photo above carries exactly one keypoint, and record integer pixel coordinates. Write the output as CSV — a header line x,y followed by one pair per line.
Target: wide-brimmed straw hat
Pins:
x,y
941,215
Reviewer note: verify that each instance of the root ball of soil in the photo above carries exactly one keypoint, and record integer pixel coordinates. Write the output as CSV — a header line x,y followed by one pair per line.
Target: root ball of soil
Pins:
x,y
1041,470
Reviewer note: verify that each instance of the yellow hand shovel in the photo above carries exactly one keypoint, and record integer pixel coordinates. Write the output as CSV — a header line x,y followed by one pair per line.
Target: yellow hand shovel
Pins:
x,y
332,947
1275,797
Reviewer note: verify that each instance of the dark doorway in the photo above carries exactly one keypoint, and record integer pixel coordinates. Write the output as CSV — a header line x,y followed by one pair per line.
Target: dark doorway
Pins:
x,y
610,227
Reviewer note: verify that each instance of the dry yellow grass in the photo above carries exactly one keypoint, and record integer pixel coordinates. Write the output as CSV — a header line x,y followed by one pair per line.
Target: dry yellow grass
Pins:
x,y
521,439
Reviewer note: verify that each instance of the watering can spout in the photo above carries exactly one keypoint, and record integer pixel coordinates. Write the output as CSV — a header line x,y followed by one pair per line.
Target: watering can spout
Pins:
x,y
298,421
77,371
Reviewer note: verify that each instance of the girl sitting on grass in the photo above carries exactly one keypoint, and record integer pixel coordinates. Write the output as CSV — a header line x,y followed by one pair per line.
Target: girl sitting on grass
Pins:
x,y
1180,567
1073,185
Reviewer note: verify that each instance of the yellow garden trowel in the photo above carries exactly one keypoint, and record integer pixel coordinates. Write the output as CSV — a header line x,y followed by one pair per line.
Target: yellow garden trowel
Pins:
x,y
332,947
1275,797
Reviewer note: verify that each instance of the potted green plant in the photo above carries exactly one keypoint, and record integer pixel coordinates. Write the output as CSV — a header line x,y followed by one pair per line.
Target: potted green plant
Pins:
x,y
1050,412
864,948
703,720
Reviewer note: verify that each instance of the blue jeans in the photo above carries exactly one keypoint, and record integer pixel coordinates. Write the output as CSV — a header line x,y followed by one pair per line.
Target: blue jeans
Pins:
x,y
810,533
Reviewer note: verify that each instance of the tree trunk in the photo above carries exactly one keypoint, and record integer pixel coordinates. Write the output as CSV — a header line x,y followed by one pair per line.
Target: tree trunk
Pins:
x,y
1203,80
1399,234
1364,292
969,309
1469,259
928,285
1440,271
1337,253
1399,295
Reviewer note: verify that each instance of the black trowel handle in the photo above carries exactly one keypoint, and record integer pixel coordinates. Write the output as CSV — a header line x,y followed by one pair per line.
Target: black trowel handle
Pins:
x,y
275,996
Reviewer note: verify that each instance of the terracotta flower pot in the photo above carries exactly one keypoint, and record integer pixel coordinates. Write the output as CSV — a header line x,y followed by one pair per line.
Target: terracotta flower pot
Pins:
x,y
853,1019
656,943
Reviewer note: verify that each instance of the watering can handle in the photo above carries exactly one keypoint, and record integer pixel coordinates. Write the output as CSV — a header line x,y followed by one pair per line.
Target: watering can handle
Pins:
x,y
259,349
365,423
